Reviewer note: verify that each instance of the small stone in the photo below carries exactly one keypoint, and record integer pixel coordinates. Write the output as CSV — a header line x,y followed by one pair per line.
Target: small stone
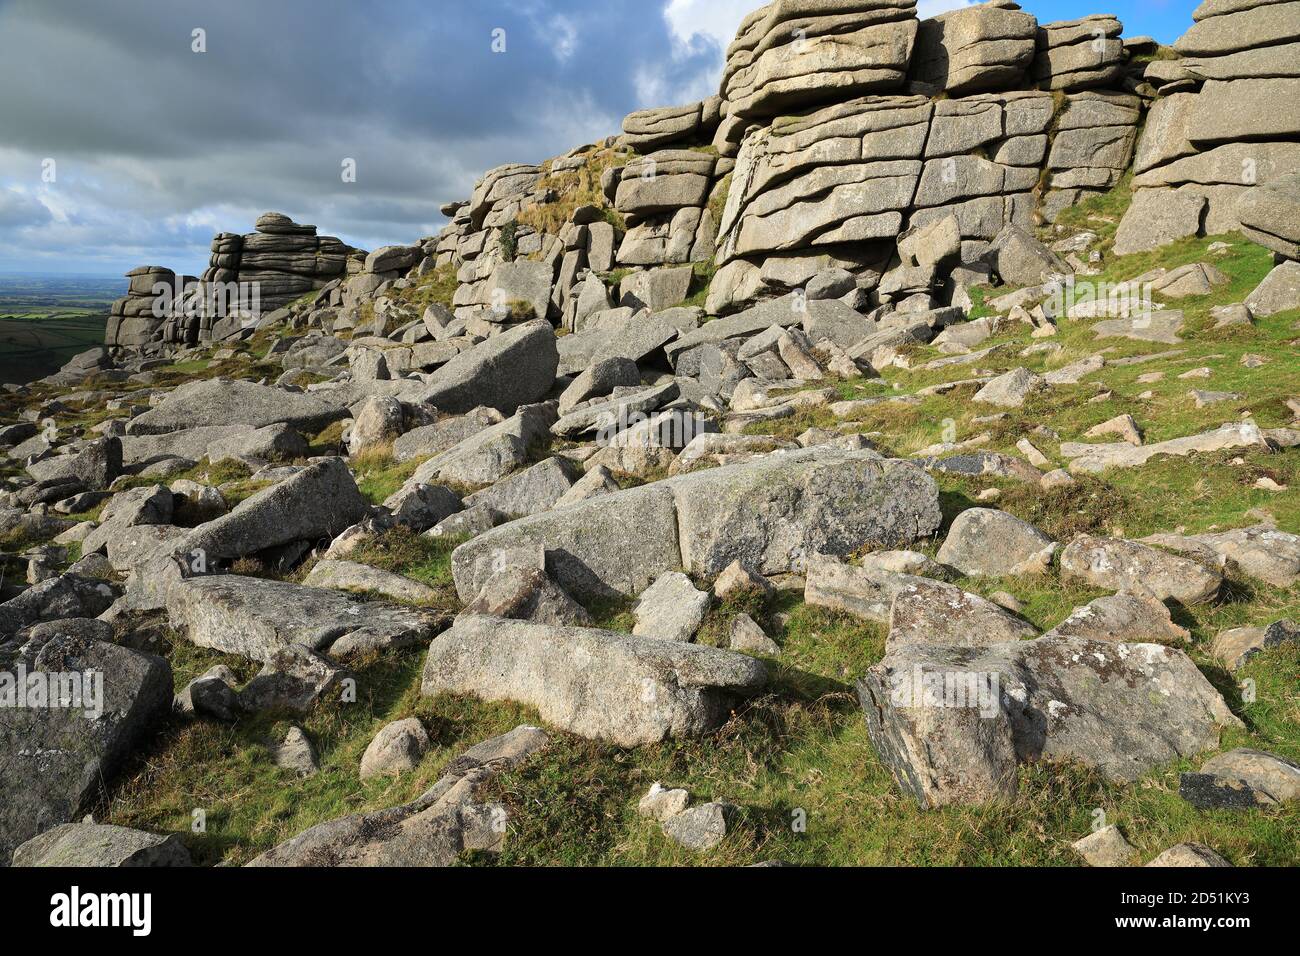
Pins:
x,y
296,753
749,638
1122,425
662,804
1056,479
700,828
397,748
738,579
1105,847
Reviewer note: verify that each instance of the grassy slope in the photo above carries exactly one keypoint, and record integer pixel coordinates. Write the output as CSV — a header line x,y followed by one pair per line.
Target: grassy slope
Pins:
x,y
801,752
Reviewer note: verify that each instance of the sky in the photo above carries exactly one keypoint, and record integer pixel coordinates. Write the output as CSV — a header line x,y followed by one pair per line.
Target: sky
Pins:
x,y
128,138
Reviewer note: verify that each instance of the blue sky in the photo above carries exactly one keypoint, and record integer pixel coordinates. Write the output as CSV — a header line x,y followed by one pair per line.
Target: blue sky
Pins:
x,y
155,147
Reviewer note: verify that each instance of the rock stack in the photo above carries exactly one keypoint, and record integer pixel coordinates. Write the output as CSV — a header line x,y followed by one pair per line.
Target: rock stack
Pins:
x,y
246,275
1228,120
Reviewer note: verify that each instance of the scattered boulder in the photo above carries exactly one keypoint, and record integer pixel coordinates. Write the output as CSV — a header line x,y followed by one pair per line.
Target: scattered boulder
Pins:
x,y
984,542
931,612
1242,779
1123,618
671,609
597,684
396,749
100,845
952,722
1139,569
1234,648
53,760
1189,855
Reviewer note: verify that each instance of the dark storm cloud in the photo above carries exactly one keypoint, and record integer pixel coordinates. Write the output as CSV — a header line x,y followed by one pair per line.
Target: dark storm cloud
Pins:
x,y
157,147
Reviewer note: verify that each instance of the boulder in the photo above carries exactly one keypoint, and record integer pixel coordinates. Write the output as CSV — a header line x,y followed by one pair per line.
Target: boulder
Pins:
x,y
101,845
396,749
601,685
952,722
1242,779
1123,618
1105,847
768,513
985,542
527,594
1270,215
931,612
260,619
1279,292
671,609
53,760
506,371
1020,259
316,503
220,401
1120,565
1234,648
1012,389
699,828
1189,855
363,579
1157,217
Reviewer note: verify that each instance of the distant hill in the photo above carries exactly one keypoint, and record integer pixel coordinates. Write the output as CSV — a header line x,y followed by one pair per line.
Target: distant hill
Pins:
x,y
45,320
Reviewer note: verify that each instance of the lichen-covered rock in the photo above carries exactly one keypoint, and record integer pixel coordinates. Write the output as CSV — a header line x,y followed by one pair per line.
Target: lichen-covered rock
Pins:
x,y
770,513
1139,569
101,845
952,722
626,690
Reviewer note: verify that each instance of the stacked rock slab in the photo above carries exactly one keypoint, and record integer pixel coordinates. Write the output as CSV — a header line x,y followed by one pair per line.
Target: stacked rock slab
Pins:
x,y
1229,122
138,318
974,49
271,267
648,130
793,53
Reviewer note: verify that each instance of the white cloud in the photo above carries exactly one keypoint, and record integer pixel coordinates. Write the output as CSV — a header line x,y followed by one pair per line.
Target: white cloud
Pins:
x,y
715,19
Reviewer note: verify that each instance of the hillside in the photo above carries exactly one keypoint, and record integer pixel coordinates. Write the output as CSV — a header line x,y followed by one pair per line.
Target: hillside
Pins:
x,y
891,460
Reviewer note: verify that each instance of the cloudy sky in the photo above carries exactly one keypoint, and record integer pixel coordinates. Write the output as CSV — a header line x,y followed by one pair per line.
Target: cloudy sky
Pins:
x,y
123,146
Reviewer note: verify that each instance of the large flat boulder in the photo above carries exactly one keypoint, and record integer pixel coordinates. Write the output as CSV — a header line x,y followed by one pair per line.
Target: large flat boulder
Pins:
x,y
512,369
261,619
597,684
221,401
769,513
952,723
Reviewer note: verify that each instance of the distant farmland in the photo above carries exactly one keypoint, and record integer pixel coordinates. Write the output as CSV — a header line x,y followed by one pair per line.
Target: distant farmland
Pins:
x,y
45,320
